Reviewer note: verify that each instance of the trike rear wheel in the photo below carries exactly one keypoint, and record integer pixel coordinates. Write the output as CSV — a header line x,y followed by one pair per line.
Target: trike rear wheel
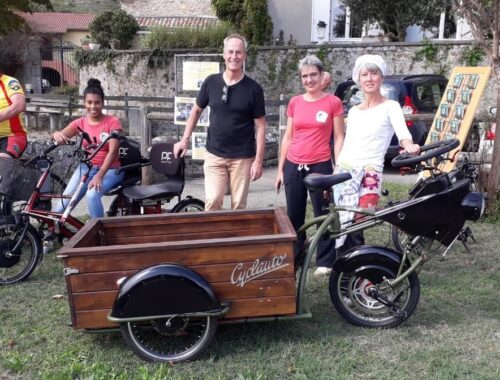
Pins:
x,y
17,265
349,295
189,205
173,339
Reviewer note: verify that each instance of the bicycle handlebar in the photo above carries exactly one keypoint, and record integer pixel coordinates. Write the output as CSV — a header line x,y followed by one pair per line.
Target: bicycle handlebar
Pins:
x,y
96,149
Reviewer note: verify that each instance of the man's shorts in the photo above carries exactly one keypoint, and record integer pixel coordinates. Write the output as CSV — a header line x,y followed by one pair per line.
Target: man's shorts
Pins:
x,y
14,146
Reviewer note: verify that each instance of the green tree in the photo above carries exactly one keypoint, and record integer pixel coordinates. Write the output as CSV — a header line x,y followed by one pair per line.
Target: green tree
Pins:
x,y
483,17
229,10
115,25
394,16
249,17
9,20
256,24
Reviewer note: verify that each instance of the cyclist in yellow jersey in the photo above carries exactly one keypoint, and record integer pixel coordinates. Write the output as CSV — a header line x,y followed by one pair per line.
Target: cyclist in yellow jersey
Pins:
x,y
13,139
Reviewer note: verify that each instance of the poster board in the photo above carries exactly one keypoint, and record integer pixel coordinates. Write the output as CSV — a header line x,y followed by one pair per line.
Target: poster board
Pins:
x,y
195,72
182,109
198,143
456,111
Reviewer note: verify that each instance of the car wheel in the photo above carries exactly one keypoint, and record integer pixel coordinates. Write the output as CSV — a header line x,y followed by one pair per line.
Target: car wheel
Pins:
x,y
473,141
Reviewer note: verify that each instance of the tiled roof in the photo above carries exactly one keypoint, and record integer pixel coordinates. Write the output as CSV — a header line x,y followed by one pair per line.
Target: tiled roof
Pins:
x,y
57,23
176,22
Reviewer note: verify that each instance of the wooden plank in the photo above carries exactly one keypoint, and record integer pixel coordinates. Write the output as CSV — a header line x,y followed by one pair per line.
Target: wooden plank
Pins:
x,y
225,292
260,307
93,319
199,255
193,219
255,307
91,282
283,222
84,237
174,246
154,238
177,232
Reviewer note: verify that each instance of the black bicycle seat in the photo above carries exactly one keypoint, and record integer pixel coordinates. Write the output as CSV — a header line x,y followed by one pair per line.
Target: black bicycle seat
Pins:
x,y
325,181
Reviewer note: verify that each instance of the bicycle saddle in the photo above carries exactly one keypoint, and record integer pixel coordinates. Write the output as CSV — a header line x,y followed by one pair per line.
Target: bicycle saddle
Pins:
x,y
325,181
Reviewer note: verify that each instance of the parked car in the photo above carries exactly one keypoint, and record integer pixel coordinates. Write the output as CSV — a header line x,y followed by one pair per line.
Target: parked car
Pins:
x,y
416,94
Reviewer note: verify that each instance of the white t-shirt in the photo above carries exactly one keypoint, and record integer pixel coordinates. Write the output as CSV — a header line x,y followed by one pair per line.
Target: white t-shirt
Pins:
x,y
369,133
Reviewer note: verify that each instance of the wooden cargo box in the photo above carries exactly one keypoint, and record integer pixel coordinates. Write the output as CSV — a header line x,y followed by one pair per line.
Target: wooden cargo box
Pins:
x,y
246,255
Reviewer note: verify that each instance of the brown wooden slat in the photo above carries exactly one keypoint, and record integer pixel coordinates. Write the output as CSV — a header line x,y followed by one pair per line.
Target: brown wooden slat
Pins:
x,y
147,239
200,255
91,282
225,292
260,307
87,236
181,226
94,319
94,300
255,307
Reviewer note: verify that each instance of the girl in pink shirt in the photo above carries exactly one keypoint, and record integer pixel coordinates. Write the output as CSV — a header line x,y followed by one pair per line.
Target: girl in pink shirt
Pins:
x,y
312,119
103,176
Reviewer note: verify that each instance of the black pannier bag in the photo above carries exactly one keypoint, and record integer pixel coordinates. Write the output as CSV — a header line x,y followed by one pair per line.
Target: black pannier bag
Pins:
x,y
16,180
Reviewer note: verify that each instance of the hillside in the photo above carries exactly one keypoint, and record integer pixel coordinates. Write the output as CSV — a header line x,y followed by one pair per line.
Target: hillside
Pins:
x,y
84,6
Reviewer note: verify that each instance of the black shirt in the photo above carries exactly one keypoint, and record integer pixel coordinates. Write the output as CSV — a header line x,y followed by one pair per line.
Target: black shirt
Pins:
x,y
232,131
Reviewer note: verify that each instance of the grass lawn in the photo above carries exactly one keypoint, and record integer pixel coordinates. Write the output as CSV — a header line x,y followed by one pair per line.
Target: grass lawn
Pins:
x,y
454,333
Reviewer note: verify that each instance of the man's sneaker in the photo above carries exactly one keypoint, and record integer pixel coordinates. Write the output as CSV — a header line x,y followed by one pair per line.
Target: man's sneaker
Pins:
x,y
320,271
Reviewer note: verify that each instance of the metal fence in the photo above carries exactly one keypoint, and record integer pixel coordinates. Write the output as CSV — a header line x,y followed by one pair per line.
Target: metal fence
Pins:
x,y
59,67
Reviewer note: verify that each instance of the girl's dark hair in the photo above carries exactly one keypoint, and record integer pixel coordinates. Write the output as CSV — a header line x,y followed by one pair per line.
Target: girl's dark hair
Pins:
x,y
94,87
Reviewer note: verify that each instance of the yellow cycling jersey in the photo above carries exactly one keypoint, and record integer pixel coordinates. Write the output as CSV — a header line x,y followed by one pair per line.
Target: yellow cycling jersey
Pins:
x,y
14,126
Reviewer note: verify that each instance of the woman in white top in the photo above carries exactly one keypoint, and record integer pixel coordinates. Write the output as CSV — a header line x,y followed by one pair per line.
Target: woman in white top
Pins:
x,y
370,126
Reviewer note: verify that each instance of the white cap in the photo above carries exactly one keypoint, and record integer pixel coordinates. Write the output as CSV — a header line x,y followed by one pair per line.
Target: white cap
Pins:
x,y
363,60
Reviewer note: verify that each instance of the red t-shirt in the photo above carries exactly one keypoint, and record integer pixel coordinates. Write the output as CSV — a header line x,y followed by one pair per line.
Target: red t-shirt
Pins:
x,y
312,128
99,132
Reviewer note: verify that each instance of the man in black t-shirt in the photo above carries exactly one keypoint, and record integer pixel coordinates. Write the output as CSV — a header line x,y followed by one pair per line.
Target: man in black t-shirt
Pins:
x,y
236,135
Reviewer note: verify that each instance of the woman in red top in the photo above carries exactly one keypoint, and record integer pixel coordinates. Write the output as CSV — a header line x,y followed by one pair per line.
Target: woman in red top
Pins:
x,y
103,176
305,149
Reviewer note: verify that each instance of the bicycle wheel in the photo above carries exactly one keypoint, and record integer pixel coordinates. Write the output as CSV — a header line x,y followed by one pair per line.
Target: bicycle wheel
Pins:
x,y
172,339
17,265
188,205
349,293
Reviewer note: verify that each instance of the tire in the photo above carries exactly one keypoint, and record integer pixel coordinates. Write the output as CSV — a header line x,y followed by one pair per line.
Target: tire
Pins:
x,y
169,339
189,205
348,292
17,266
473,141
399,238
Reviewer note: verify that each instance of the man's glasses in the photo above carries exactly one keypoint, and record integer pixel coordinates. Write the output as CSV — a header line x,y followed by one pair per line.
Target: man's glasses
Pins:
x,y
225,95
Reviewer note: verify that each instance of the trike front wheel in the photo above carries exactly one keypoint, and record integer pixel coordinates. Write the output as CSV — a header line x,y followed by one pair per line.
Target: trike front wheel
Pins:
x,y
173,339
349,293
17,264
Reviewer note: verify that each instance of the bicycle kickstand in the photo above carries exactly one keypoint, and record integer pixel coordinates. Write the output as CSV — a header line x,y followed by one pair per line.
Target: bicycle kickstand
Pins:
x,y
464,236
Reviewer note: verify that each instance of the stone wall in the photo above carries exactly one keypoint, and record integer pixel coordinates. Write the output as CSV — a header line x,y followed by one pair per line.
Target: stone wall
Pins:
x,y
167,8
275,68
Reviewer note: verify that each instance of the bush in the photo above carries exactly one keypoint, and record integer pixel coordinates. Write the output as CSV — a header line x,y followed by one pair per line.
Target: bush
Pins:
x,y
114,25
163,38
65,90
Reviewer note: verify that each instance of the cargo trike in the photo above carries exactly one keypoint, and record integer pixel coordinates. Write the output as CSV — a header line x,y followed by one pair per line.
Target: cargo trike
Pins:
x,y
168,280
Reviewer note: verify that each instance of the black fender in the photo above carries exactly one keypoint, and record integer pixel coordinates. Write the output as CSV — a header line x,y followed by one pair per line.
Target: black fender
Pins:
x,y
163,290
368,256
